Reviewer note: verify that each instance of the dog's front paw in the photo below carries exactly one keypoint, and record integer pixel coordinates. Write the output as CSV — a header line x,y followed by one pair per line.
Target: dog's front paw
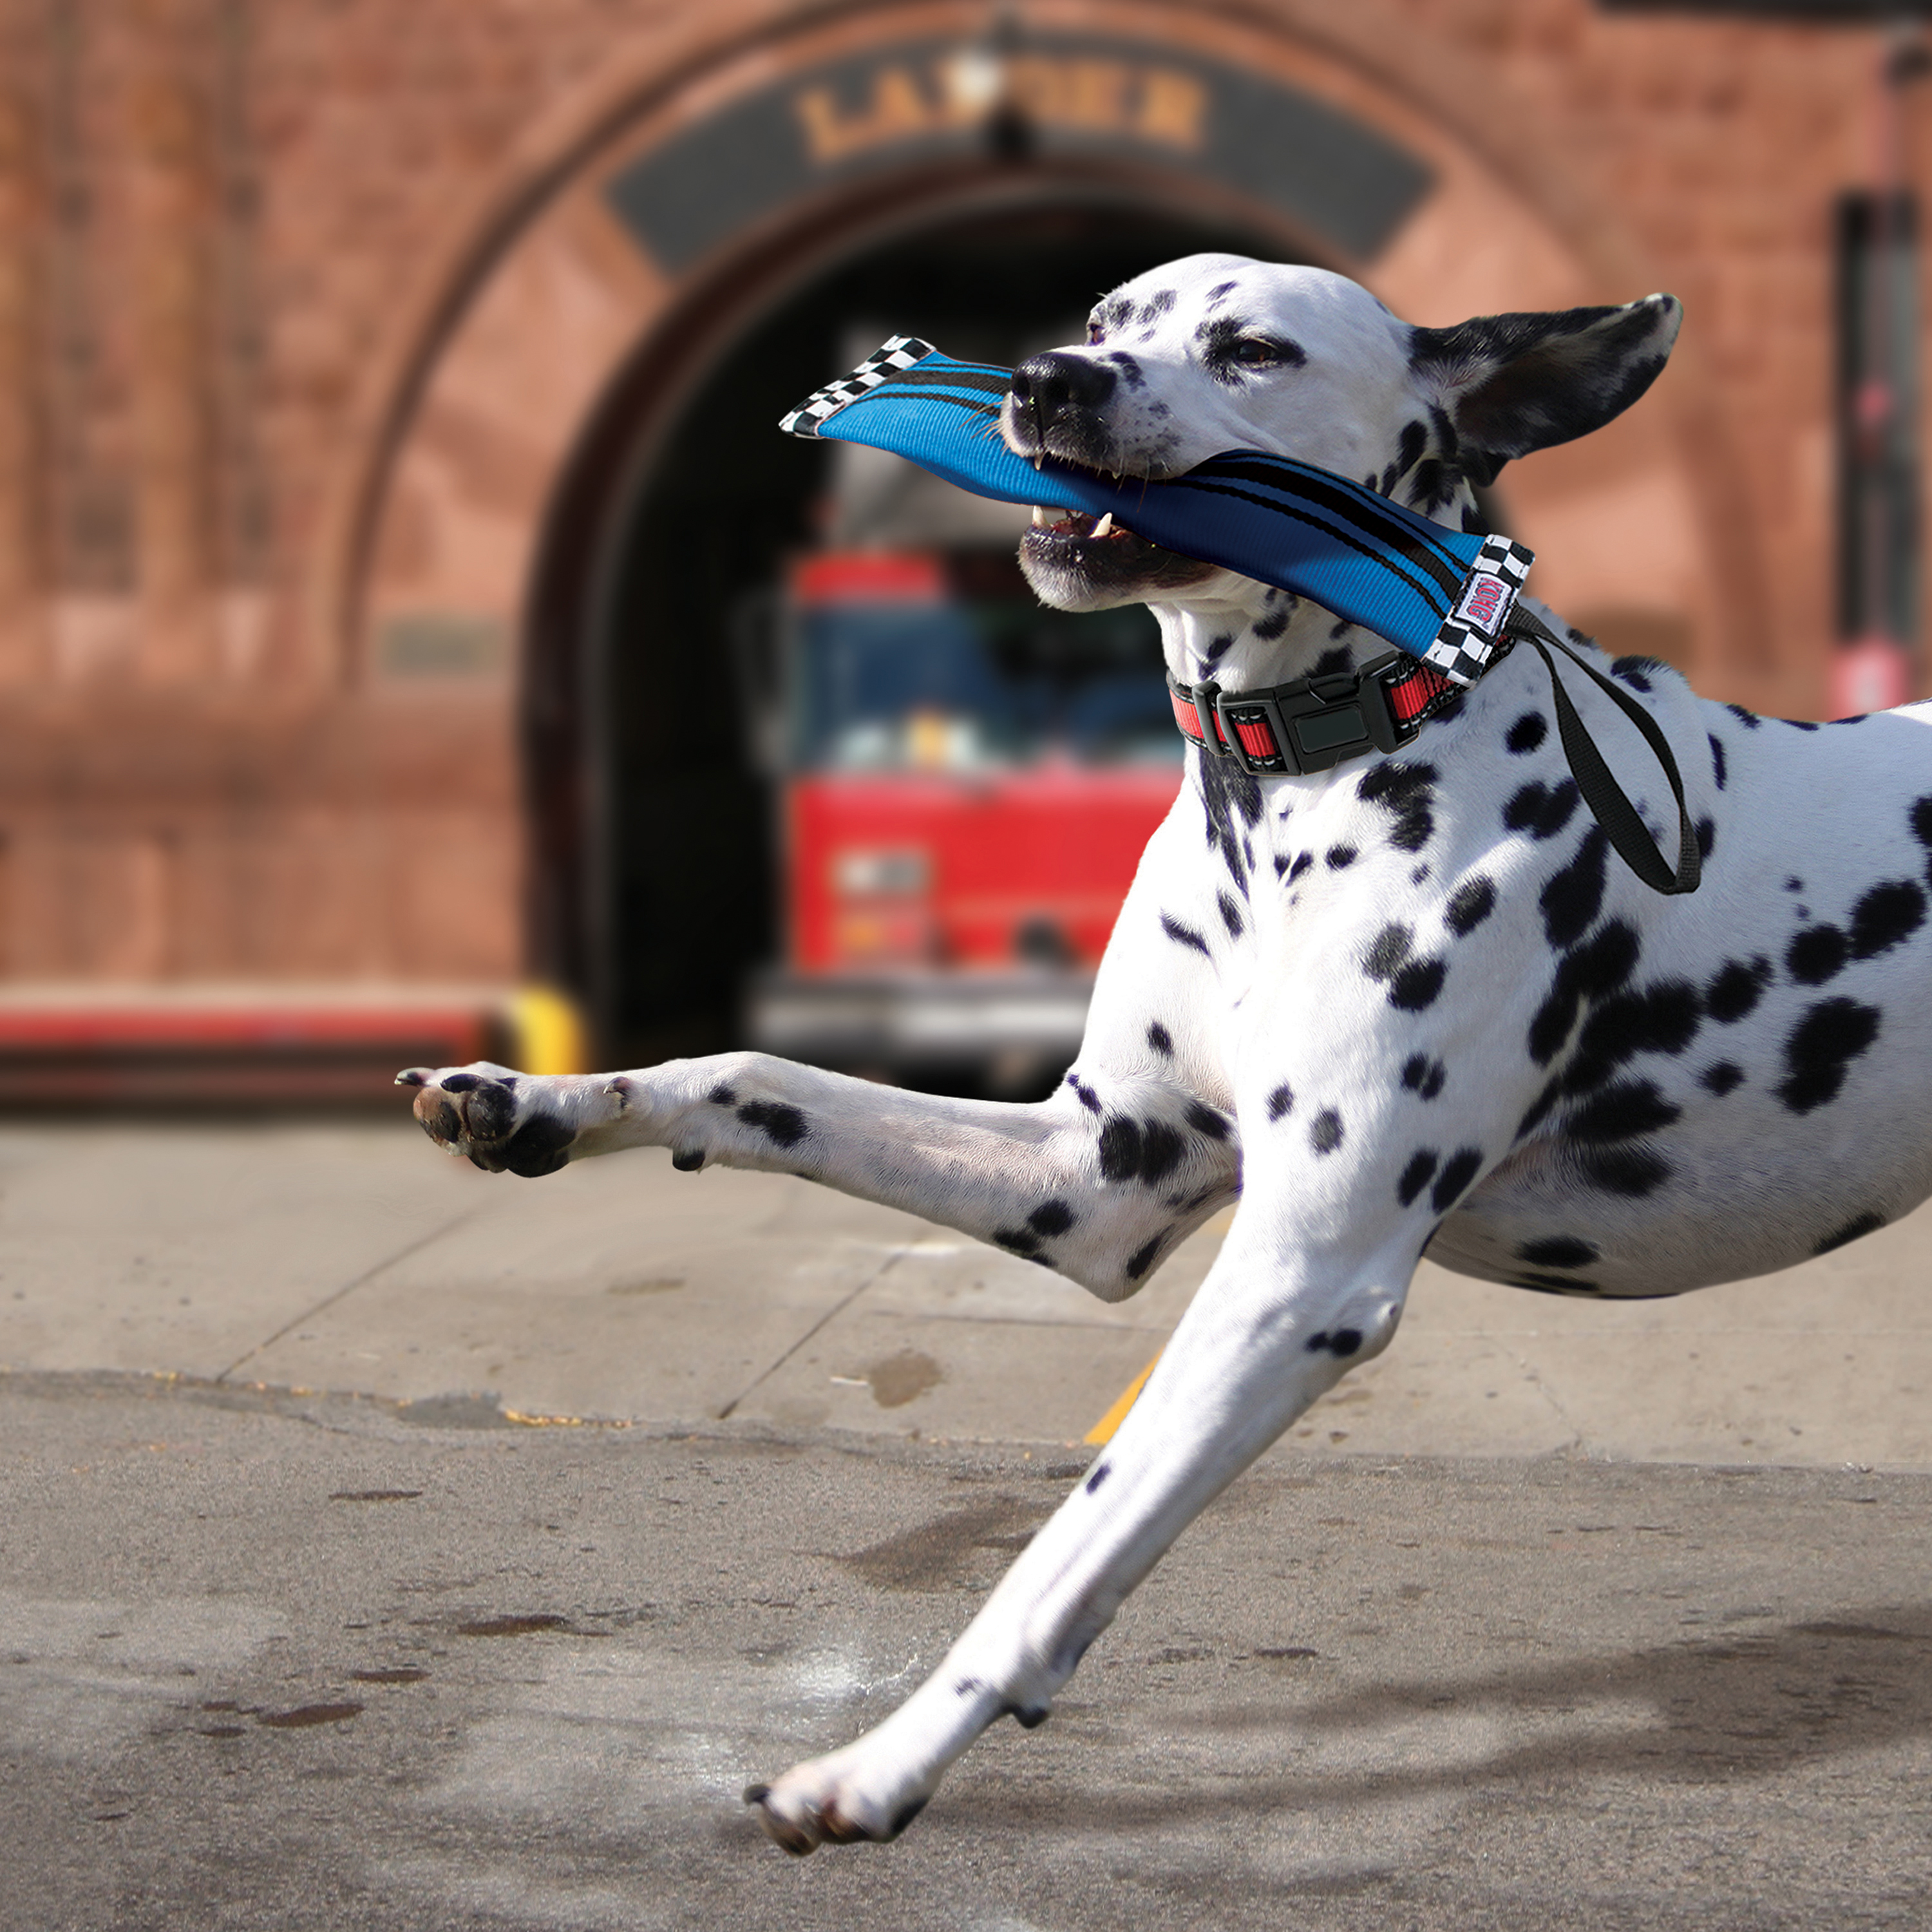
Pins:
x,y
825,1801
503,1121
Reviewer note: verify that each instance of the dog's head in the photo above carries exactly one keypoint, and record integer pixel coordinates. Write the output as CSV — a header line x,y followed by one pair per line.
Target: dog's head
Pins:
x,y
1217,352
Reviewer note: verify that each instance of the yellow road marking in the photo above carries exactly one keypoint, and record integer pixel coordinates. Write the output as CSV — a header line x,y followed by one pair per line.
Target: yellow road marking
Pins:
x,y
1102,1431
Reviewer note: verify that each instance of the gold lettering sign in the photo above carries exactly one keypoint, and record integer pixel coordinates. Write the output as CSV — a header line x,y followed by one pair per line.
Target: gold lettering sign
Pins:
x,y
1088,95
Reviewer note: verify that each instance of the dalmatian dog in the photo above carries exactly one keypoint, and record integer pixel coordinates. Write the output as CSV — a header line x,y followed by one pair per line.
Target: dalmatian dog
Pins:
x,y
1412,1004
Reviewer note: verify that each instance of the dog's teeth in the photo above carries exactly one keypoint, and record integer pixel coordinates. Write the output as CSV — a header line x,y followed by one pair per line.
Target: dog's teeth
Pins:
x,y
1041,520
1105,525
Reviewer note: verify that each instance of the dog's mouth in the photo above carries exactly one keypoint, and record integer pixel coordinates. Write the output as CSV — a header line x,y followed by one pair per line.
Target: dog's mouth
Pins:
x,y
1077,562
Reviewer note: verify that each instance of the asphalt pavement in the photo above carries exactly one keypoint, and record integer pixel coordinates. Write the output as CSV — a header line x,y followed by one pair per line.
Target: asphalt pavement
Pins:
x,y
389,1545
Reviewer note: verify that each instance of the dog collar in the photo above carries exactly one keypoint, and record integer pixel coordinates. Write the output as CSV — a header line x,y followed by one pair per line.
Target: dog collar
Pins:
x,y
1444,596
1313,722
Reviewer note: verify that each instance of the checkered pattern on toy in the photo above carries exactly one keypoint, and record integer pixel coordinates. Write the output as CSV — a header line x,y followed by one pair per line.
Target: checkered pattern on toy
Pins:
x,y
897,352
1461,652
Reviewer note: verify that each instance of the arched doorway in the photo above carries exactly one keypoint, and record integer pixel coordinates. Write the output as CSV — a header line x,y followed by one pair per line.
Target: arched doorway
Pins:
x,y
652,802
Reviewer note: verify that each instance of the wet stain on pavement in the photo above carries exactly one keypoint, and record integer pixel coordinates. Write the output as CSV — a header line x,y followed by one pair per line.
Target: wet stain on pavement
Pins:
x,y
304,1715
523,1626
903,1378
373,1495
399,1674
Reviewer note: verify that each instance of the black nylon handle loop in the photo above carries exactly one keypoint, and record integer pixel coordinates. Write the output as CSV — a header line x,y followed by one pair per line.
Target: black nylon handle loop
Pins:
x,y
1609,804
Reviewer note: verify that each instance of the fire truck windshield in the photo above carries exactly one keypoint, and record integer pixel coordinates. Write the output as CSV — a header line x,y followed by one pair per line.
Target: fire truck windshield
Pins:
x,y
918,663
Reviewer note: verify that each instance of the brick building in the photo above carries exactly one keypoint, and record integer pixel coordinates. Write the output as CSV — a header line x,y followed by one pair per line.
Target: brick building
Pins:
x,y
387,386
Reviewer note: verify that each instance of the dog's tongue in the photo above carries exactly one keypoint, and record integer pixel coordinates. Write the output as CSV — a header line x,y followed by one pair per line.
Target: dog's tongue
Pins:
x,y
1444,596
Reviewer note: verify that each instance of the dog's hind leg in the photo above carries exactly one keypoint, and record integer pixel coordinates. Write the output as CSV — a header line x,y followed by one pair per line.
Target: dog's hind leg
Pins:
x,y
1255,1348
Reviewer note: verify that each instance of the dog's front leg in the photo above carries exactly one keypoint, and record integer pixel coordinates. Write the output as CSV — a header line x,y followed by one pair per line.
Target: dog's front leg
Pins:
x,y
1260,1342
1099,1182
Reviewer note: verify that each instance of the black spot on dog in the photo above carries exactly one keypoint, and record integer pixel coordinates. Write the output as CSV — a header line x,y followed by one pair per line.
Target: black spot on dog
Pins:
x,y
1573,897
1539,1110
1414,440
1415,1176
1129,367
1089,1099
1472,520
1817,954
1229,794
1799,724
1633,1171
1420,1075
1540,810
1736,987
1230,916
1271,627
1161,1149
1458,1170
1558,1251
1158,1038
538,1147
1184,935
1051,1218
1220,292
1324,1131
1469,905
1660,1018
1855,1229
1386,951
1716,759
1921,821
1415,989
1749,720
1707,836
1587,973
1205,1121
1407,790
1217,648
1302,862
1821,1047
1885,915
1141,1259
1622,1112
1019,1240
776,1120
1098,1475
1635,671
1721,1077
1343,1343
1281,1101
1794,884
1340,857
723,1095
1432,485
1333,661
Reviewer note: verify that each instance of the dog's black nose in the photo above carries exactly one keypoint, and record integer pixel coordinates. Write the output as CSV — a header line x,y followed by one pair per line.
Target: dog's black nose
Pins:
x,y
1057,384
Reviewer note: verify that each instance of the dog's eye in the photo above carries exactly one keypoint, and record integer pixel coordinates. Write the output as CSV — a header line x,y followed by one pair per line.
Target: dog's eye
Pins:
x,y
1095,333
1256,352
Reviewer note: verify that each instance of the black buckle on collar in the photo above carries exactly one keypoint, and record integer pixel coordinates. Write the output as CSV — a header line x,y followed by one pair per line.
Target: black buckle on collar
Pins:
x,y
1315,722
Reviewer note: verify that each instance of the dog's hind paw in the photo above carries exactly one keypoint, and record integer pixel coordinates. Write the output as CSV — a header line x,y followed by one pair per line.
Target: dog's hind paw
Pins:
x,y
506,1122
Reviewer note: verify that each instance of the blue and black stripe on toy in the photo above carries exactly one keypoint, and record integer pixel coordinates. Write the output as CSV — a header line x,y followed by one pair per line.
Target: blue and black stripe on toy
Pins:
x,y
1443,596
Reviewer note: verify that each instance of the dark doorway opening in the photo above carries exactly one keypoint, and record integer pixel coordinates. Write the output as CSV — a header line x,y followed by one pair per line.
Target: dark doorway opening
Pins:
x,y
656,892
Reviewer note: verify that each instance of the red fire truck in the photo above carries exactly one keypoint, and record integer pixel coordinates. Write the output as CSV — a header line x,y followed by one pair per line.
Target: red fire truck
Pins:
x,y
966,782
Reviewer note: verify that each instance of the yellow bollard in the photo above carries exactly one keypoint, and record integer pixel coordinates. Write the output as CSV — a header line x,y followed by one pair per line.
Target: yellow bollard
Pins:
x,y
547,1032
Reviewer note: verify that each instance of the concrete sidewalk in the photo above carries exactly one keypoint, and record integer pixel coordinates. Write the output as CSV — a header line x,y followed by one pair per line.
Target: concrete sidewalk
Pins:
x,y
351,1257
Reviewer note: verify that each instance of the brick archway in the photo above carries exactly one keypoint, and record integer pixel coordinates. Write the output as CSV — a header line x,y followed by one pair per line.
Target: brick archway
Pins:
x,y
582,287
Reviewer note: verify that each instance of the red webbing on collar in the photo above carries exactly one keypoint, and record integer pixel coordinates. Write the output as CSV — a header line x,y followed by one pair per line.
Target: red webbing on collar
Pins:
x,y
1409,696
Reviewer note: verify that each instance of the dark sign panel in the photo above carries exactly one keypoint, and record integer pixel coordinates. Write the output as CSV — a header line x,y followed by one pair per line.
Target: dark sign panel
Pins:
x,y
932,100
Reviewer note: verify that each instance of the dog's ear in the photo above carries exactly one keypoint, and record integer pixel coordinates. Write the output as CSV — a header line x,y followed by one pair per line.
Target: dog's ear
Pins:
x,y
1513,383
